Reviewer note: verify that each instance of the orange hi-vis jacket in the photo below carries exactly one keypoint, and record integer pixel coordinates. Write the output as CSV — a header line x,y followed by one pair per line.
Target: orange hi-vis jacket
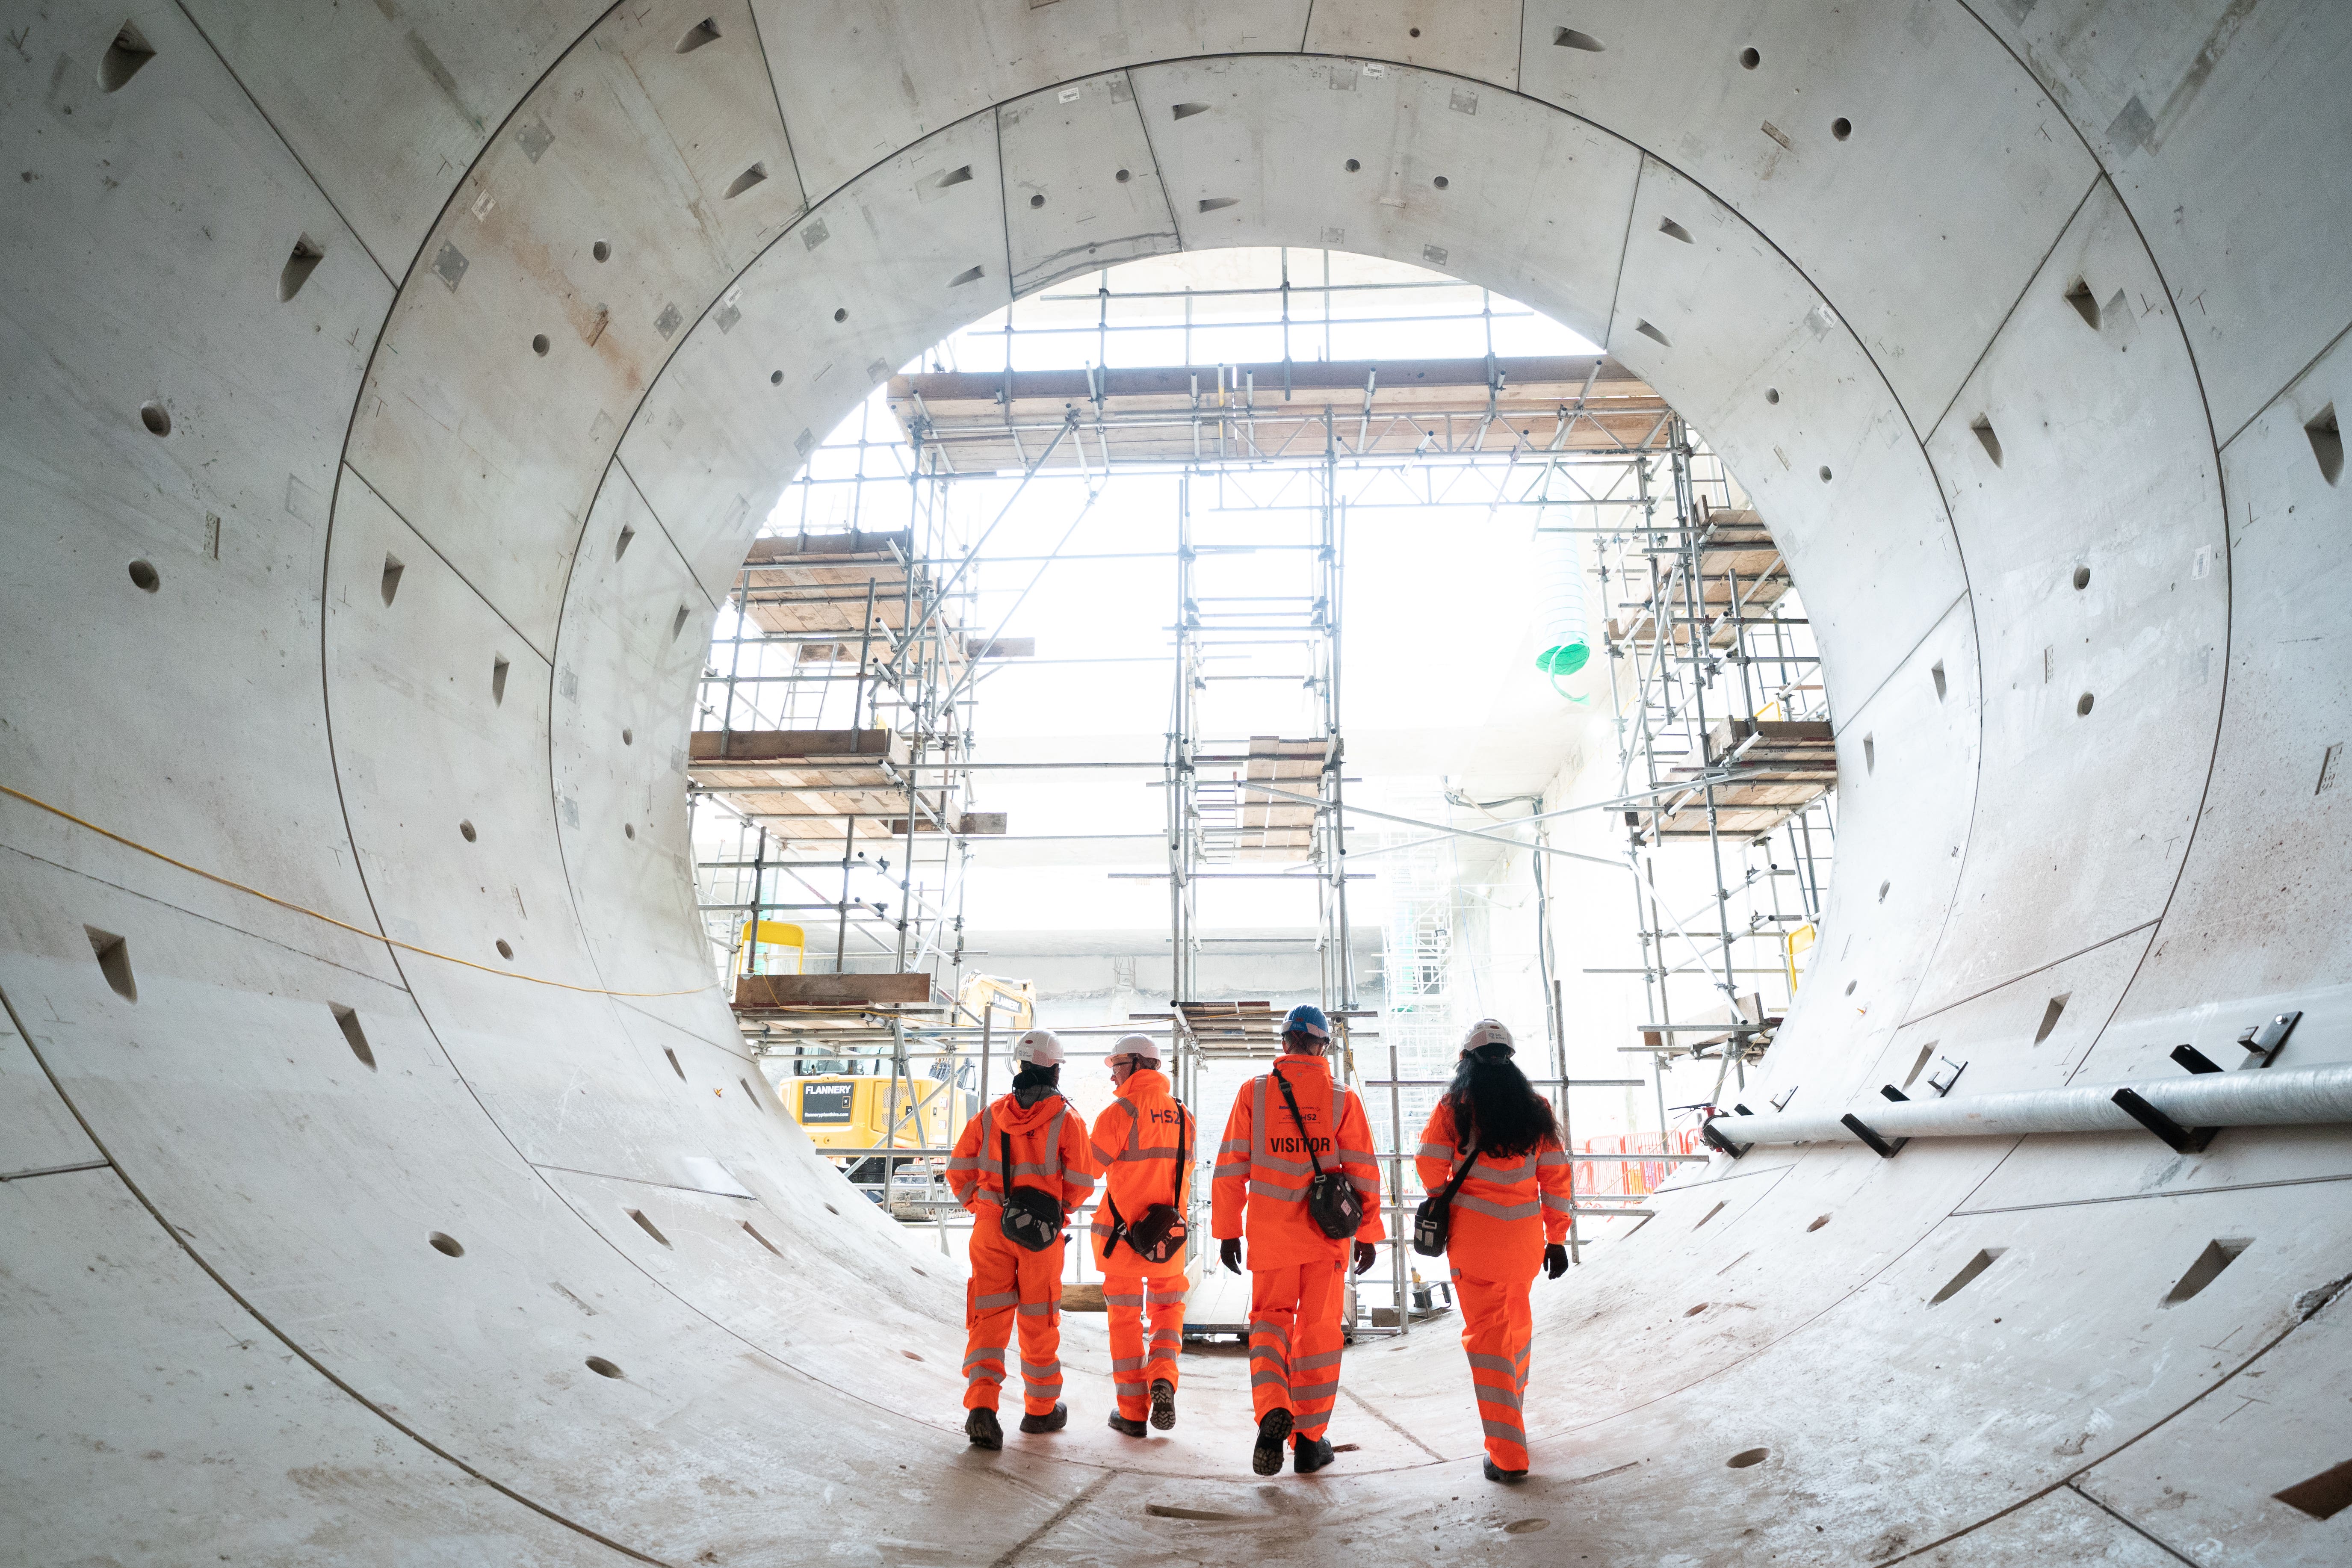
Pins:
x,y
1136,1139
1513,1191
1262,1168
1049,1153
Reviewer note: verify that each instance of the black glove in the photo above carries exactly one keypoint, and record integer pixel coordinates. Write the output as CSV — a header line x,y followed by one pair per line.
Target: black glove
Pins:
x,y
1229,1253
1365,1253
1554,1261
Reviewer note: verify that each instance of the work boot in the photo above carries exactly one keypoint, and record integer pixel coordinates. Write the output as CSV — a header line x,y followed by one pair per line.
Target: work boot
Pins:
x,y
1273,1431
1125,1428
1054,1421
1312,1455
981,1428
1163,1404
1495,1472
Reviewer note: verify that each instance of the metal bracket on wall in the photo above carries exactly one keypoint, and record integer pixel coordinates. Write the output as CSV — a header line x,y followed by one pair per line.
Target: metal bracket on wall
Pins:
x,y
1879,1146
2267,1040
2182,1140
2194,1059
1718,1142
1943,1085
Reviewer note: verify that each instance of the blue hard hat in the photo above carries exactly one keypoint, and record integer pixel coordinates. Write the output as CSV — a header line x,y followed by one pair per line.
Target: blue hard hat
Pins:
x,y
1309,1017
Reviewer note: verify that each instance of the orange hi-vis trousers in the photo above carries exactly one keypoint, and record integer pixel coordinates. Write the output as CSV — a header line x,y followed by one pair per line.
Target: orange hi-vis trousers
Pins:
x,y
1134,1367
1010,1284
1496,1323
1295,1340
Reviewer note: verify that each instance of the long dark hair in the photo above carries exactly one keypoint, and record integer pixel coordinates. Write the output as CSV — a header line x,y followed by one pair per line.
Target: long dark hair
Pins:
x,y
1491,1095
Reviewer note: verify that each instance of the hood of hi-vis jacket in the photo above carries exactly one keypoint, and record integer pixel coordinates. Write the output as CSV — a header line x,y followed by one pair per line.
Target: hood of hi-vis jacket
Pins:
x,y
1136,1143
1529,1192
1263,1165
1048,1147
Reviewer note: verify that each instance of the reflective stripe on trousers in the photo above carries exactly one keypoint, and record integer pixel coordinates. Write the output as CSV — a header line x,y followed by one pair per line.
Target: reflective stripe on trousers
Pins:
x,y
1496,1324
1295,1341
1134,1365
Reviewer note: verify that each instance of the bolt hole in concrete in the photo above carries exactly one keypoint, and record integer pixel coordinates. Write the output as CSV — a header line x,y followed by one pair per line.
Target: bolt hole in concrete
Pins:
x,y
2217,1256
497,681
1869,754
830,1209
1352,165
673,1063
1652,334
304,261
620,545
1674,230
390,586
1694,1312
841,313
601,250
1817,1225
746,180
2082,577
910,1356
1840,127
775,378
1413,32
1881,890
113,954
466,831
1986,438
2326,443
144,577
1038,200
156,417
602,1367
630,828
2324,1495
755,1236
1969,1272
1569,38
1441,181
2083,706
678,623
1708,1216
1926,1054
1747,1456
506,949
628,737
446,1246
123,58
1850,985
1122,176
2086,303
539,344
1936,670
648,1226
2050,1016
703,32
1825,473
1750,60
349,1022
1772,395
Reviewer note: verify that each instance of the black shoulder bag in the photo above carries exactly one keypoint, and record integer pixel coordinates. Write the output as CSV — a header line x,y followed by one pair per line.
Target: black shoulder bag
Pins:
x,y
1159,1232
1435,1217
1331,1200
1032,1218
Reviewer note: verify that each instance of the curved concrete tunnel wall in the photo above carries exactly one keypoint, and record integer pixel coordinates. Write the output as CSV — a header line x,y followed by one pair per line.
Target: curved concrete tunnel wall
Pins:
x,y
2119,247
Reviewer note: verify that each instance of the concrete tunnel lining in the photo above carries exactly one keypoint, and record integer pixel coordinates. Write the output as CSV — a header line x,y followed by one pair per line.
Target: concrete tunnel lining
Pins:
x,y
529,1121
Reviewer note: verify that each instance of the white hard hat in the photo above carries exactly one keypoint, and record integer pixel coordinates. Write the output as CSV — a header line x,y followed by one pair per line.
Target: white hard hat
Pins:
x,y
1141,1045
1039,1048
1487,1032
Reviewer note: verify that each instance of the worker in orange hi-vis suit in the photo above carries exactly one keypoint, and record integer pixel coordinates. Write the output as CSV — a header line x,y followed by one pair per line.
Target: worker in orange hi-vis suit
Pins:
x,y
1508,1214
1267,1169
1144,1144
1016,1243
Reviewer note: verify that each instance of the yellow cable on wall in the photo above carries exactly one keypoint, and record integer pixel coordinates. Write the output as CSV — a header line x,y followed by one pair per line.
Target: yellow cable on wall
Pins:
x,y
340,925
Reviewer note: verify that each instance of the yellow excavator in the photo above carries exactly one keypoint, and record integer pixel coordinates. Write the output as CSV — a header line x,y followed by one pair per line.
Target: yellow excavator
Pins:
x,y
843,1100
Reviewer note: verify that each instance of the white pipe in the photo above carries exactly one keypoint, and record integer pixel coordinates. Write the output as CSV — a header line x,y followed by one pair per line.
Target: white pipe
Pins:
x,y
2248,1098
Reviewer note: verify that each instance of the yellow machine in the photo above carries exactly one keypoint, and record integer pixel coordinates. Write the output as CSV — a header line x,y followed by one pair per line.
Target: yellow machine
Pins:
x,y
843,1098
